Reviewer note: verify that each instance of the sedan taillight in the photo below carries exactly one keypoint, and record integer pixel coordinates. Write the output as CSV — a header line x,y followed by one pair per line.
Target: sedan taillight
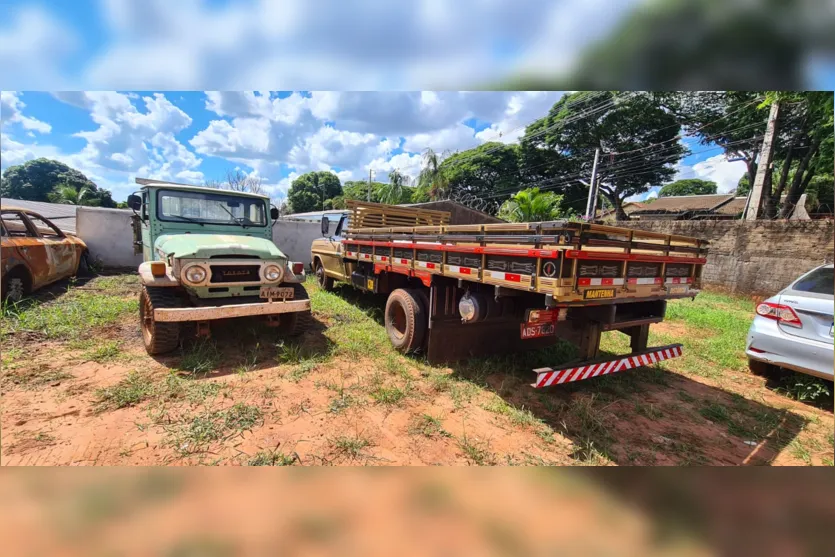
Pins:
x,y
780,313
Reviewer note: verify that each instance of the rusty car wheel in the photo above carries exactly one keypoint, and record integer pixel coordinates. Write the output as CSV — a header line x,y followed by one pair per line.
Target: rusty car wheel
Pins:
x,y
158,337
405,320
15,285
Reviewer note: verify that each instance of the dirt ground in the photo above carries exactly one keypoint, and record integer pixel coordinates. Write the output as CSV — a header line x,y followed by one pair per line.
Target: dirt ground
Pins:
x,y
88,394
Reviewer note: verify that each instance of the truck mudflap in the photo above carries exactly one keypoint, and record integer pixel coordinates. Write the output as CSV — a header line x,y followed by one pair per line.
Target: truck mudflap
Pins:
x,y
207,313
547,377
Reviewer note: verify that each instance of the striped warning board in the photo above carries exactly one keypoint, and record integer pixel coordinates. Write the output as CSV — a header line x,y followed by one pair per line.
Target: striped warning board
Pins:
x,y
546,377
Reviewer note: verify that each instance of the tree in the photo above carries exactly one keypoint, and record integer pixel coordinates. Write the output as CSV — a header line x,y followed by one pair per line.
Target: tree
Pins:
x,y
432,181
688,186
613,122
395,191
743,187
358,190
531,205
236,180
310,191
37,179
69,195
483,177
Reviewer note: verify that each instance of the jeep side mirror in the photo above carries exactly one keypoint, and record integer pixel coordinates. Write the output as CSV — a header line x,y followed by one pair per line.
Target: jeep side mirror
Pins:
x,y
274,213
134,202
326,224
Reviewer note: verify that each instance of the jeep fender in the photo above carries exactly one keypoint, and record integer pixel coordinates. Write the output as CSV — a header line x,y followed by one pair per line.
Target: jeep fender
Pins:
x,y
147,279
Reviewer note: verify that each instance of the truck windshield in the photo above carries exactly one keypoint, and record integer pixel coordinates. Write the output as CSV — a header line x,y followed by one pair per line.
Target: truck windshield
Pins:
x,y
210,208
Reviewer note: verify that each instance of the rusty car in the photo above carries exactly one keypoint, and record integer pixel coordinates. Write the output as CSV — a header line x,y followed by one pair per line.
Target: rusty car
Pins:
x,y
35,253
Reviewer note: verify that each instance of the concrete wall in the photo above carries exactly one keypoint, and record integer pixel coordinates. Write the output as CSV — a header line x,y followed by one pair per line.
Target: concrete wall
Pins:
x,y
294,238
108,235
760,257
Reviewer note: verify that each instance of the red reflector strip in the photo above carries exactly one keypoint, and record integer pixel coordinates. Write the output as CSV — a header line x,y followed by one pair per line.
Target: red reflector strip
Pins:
x,y
365,255
599,282
350,254
545,376
427,265
381,258
656,280
679,280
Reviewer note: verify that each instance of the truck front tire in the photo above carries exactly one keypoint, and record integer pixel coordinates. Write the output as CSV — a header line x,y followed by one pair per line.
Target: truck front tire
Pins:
x,y
295,324
158,337
324,281
406,319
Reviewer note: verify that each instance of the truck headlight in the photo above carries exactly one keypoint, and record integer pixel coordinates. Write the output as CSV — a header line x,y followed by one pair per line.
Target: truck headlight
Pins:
x,y
272,273
195,274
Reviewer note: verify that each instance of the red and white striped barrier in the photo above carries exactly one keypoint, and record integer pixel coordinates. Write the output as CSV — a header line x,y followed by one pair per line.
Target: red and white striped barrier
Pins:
x,y
511,277
600,282
545,376
679,280
656,280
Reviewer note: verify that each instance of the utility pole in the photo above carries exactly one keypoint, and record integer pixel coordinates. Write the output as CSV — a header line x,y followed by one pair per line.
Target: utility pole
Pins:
x,y
596,187
369,185
755,201
592,187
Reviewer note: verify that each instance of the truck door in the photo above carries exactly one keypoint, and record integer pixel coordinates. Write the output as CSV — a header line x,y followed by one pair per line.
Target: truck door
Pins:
x,y
331,248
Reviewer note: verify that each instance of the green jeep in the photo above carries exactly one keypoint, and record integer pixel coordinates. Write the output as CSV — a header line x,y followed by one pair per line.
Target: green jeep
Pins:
x,y
208,254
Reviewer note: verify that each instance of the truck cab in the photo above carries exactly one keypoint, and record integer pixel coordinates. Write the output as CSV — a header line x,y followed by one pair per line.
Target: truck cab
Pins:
x,y
209,254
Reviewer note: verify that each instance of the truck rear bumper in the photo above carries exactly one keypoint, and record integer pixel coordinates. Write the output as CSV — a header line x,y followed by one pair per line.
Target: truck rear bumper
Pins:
x,y
234,310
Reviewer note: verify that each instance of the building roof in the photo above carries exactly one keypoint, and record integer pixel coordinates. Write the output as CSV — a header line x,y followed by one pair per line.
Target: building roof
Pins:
x,y
61,215
685,203
734,207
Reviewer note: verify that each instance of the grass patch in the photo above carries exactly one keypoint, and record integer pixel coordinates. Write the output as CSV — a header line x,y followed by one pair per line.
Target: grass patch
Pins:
x,y
351,447
196,434
200,358
130,391
521,417
34,377
649,411
106,352
806,388
387,395
475,451
800,452
428,426
68,317
272,458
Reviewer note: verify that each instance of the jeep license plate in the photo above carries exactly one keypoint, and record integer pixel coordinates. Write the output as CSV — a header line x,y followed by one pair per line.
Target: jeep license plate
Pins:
x,y
277,292
538,330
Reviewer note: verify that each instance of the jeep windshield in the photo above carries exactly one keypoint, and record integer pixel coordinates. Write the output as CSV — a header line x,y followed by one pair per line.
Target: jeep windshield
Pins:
x,y
210,208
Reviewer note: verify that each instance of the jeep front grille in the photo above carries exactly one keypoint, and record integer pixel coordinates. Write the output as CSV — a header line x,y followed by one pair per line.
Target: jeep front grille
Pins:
x,y
235,273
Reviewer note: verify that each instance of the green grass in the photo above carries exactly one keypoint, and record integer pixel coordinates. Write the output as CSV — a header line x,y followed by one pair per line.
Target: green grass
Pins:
x,y
806,389
351,447
107,352
428,426
521,417
200,358
272,458
476,451
388,395
130,391
195,434
70,316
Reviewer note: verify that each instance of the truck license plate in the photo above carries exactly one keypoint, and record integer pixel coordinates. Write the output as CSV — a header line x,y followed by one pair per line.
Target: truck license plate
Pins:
x,y
599,293
277,292
680,289
538,330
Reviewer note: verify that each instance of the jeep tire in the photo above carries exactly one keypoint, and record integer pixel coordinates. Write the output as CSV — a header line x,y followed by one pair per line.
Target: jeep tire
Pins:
x,y
158,337
296,323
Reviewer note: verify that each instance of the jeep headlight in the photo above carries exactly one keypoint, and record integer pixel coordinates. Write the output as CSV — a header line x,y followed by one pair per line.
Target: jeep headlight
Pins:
x,y
195,274
272,273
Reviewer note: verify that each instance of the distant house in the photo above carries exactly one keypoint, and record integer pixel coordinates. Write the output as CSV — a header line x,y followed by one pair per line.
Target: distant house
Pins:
x,y
692,207
609,215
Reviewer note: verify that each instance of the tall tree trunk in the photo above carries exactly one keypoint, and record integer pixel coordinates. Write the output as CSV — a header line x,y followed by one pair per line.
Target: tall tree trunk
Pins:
x,y
755,201
617,203
800,181
751,165
769,208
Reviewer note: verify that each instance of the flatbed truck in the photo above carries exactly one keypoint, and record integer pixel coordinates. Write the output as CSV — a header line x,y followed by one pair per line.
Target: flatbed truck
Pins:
x,y
461,291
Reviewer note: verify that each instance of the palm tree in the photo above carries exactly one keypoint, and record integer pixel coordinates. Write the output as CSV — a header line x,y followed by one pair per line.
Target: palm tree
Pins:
x,y
531,205
68,195
432,178
392,193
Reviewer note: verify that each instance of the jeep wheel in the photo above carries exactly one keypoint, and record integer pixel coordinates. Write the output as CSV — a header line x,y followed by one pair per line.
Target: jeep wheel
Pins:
x,y
158,337
296,323
324,281
405,319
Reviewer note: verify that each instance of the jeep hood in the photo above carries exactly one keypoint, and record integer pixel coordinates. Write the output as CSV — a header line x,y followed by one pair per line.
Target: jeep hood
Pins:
x,y
204,246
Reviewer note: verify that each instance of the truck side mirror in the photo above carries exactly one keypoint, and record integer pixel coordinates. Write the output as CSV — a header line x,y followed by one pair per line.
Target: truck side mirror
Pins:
x,y
274,213
326,224
134,202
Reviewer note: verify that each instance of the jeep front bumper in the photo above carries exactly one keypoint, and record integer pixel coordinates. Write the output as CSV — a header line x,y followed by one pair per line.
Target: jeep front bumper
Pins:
x,y
207,313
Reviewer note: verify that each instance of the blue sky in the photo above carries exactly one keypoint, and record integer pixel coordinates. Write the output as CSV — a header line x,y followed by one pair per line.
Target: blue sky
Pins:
x,y
114,137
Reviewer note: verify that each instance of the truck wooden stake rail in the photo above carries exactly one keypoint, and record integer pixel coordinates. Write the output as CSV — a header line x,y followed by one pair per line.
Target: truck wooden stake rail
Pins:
x,y
458,291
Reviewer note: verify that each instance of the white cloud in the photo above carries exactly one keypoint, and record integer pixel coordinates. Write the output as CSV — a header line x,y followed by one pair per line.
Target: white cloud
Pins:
x,y
717,168
522,108
11,111
33,45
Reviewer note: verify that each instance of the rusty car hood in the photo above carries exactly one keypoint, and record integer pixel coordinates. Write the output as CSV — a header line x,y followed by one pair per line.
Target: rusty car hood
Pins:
x,y
203,246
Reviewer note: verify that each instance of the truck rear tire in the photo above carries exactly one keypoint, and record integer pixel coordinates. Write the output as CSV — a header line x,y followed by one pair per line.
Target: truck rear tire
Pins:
x,y
158,337
406,319
324,281
295,324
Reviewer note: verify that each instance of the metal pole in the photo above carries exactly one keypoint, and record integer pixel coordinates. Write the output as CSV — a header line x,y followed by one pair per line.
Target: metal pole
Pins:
x,y
592,186
369,185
